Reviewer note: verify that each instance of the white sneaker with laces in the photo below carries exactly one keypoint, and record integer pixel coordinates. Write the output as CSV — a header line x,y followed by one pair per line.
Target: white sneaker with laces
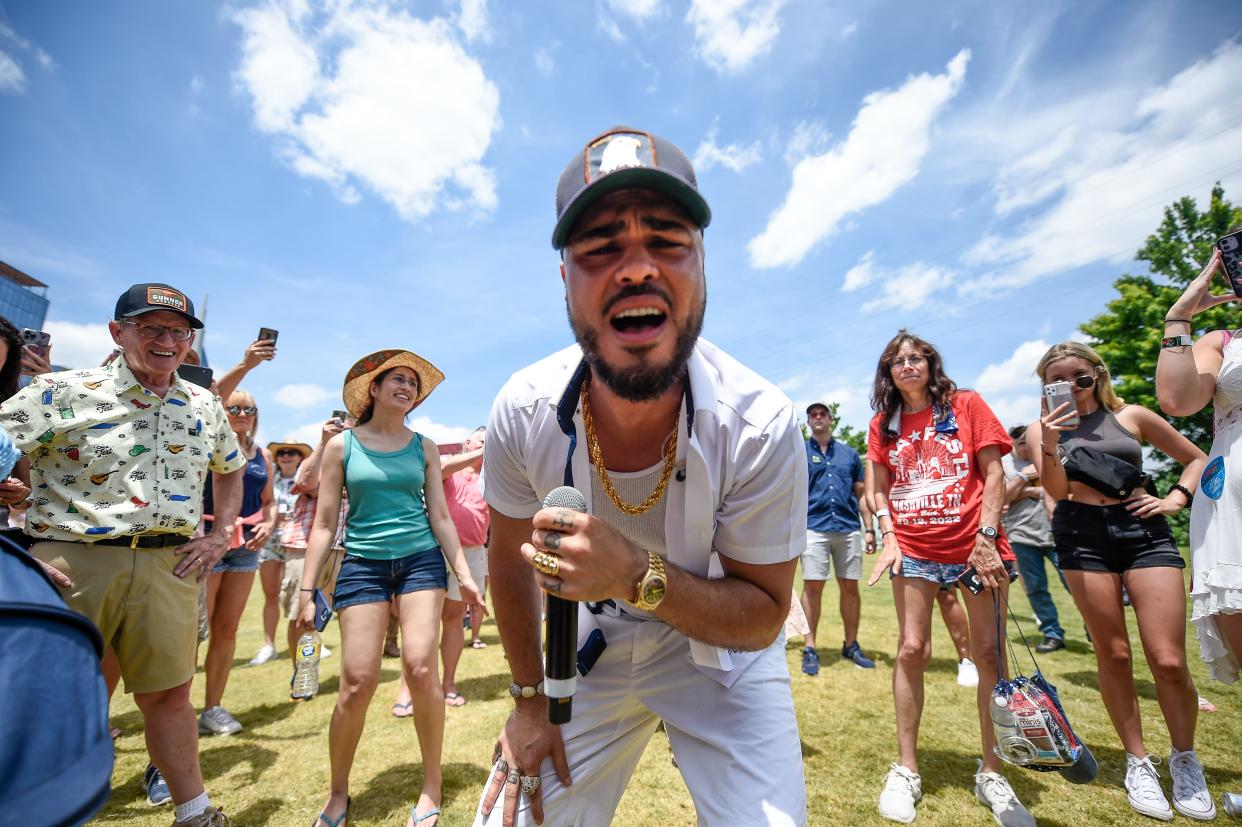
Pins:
x,y
1143,788
1190,793
994,791
216,720
967,673
265,654
902,790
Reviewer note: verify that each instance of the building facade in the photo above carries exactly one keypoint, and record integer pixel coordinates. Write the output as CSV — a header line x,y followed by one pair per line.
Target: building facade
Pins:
x,y
23,298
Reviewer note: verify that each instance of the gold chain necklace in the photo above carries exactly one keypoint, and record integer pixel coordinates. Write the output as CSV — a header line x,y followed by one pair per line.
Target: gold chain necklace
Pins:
x,y
670,458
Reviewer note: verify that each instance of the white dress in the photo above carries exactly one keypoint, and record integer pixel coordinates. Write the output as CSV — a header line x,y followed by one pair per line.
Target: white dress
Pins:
x,y
1216,523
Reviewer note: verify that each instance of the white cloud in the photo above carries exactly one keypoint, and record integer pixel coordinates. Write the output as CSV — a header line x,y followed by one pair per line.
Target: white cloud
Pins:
x,y
910,287
346,90
473,21
849,29
77,345
1018,371
809,137
887,143
604,23
12,78
861,274
437,432
544,62
734,156
853,403
1111,185
303,396
729,35
637,9
310,433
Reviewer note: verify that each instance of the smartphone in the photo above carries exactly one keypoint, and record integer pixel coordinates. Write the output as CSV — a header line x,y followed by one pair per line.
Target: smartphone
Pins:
x,y
323,612
200,376
1057,394
37,340
266,334
1231,256
970,581
341,415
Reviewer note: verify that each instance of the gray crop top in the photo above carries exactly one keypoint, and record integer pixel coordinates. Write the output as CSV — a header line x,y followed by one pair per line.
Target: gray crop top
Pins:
x,y
1101,430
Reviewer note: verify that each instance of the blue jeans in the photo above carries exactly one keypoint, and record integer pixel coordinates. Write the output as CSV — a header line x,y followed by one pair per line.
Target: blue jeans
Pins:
x,y
1035,581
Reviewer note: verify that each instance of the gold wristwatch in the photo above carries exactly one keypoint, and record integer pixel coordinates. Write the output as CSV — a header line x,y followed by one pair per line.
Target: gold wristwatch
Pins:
x,y
653,585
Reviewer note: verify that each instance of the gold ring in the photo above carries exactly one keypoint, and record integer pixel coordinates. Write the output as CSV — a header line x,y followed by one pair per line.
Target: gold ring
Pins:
x,y
545,563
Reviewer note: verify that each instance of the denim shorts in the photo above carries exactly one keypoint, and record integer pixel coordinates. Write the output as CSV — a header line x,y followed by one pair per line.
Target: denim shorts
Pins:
x,y
363,580
1110,538
945,574
237,559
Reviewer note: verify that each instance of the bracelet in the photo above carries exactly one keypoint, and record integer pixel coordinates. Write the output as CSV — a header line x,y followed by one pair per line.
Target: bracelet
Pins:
x,y
886,533
1174,342
308,590
883,512
1176,321
870,531
516,690
1177,486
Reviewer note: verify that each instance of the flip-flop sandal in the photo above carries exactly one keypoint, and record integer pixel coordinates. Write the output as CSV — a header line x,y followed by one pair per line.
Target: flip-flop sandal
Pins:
x,y
454,699
404,710
478,644
343,818
435,811
1205,705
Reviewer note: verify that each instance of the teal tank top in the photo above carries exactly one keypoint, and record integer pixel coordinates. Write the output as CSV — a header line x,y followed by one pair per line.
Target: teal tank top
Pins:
x,y
387,512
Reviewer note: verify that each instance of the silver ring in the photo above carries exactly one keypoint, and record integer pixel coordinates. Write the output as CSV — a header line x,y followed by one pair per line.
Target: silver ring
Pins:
x,y
530,783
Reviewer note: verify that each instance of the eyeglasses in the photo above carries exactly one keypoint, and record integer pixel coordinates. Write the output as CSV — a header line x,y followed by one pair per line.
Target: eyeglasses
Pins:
x,y
913,360
154,331
237,410
1084,381
400,381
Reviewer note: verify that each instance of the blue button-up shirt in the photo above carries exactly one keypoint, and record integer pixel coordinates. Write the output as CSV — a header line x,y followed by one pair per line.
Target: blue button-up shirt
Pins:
x,y
831,504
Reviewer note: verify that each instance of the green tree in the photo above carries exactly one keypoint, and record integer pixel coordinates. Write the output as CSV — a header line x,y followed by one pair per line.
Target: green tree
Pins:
x,y
1127,335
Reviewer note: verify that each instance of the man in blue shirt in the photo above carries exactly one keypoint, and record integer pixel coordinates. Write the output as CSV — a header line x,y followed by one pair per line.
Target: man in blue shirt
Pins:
x,y
833,535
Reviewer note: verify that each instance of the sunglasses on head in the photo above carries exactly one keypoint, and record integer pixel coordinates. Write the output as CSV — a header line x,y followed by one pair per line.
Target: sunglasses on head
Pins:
x,y
237,410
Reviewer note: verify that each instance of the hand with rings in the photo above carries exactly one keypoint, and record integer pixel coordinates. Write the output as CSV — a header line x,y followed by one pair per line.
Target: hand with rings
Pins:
x,y
546,563
540,741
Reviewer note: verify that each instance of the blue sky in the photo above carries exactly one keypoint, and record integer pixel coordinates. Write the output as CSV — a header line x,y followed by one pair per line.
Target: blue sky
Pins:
x,y
376,174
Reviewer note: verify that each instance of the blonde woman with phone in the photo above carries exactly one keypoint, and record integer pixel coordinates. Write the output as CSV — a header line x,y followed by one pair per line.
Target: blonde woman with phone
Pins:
x,y
1190,375
1105,543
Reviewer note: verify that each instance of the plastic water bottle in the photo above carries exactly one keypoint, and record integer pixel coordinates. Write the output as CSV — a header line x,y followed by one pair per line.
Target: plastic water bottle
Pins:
x,y
305,683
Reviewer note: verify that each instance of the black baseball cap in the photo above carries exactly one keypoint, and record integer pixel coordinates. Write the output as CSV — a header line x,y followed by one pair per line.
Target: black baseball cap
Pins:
x,y
625,158
815,405
143,298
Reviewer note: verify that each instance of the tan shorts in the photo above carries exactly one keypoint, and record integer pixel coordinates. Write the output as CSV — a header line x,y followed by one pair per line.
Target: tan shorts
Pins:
x,y
204,624
291,583
147,614
476,559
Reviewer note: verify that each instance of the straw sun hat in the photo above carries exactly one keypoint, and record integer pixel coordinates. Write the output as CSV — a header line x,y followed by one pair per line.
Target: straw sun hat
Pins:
x,y
301,447
357,390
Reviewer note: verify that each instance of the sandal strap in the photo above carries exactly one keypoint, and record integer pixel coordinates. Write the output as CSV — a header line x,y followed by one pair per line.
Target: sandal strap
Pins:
x,y
434,811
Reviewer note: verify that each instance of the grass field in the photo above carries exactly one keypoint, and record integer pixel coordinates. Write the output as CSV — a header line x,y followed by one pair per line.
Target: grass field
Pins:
x,y
275,772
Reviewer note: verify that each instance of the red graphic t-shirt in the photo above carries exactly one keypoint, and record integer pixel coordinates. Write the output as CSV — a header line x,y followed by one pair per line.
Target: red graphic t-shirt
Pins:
x,y
936,496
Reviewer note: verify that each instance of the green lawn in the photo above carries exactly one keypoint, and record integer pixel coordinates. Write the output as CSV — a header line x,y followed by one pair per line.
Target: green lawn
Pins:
x,y
275,772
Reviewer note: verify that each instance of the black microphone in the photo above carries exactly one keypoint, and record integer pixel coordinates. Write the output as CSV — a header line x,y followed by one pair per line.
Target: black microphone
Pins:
x,y
561,629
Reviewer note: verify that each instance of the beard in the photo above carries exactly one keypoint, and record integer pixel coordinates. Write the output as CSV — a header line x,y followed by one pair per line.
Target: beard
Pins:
x,y
647,380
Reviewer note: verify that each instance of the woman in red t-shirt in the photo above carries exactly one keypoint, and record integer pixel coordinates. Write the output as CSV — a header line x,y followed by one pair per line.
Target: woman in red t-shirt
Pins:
x,y
937,487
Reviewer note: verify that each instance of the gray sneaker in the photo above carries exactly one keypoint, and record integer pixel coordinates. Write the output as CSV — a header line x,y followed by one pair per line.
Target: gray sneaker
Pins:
x,y
994,791
211,817
217,721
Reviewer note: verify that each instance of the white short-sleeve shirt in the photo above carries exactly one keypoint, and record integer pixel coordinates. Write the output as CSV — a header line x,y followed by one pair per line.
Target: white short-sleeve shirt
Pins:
x,y
740,484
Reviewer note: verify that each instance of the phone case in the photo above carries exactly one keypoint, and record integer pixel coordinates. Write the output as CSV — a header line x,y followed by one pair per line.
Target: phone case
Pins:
x,y
323,612
1057,394
1231,256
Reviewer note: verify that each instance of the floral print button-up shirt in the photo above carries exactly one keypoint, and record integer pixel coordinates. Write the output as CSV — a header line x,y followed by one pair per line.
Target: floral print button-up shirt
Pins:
x,y
108,458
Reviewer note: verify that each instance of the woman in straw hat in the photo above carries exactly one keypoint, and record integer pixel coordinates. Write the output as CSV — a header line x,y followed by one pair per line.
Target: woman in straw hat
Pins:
x,y
398,537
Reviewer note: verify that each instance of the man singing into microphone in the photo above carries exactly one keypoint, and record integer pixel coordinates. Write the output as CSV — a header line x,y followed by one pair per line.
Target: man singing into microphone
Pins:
x,y
695,480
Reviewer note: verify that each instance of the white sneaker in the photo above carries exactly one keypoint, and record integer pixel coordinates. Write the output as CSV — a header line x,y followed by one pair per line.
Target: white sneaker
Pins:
x,y
1143,788
324,652
217,721
902,790
994,791
1190,793
967,673
265,654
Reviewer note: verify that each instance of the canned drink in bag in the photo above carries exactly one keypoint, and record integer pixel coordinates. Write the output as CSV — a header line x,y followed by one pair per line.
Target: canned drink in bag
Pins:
x,y
1233,804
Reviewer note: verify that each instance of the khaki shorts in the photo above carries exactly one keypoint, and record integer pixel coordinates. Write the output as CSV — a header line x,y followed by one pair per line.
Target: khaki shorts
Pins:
x,y
204,624
147,614
291,583
476,560
843,548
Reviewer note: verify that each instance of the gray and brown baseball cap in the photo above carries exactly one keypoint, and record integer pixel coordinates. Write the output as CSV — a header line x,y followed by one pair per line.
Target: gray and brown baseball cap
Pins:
x,y
625,158
149,296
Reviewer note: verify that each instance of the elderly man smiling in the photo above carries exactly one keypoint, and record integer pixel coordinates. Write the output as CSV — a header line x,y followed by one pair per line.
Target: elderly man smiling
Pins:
x,y
118,460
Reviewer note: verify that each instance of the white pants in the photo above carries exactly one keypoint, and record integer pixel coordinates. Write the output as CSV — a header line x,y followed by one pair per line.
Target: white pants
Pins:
x,y
738,749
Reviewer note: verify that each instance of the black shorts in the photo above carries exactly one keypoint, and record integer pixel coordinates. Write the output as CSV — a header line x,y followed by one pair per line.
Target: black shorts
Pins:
x,y
1110,538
